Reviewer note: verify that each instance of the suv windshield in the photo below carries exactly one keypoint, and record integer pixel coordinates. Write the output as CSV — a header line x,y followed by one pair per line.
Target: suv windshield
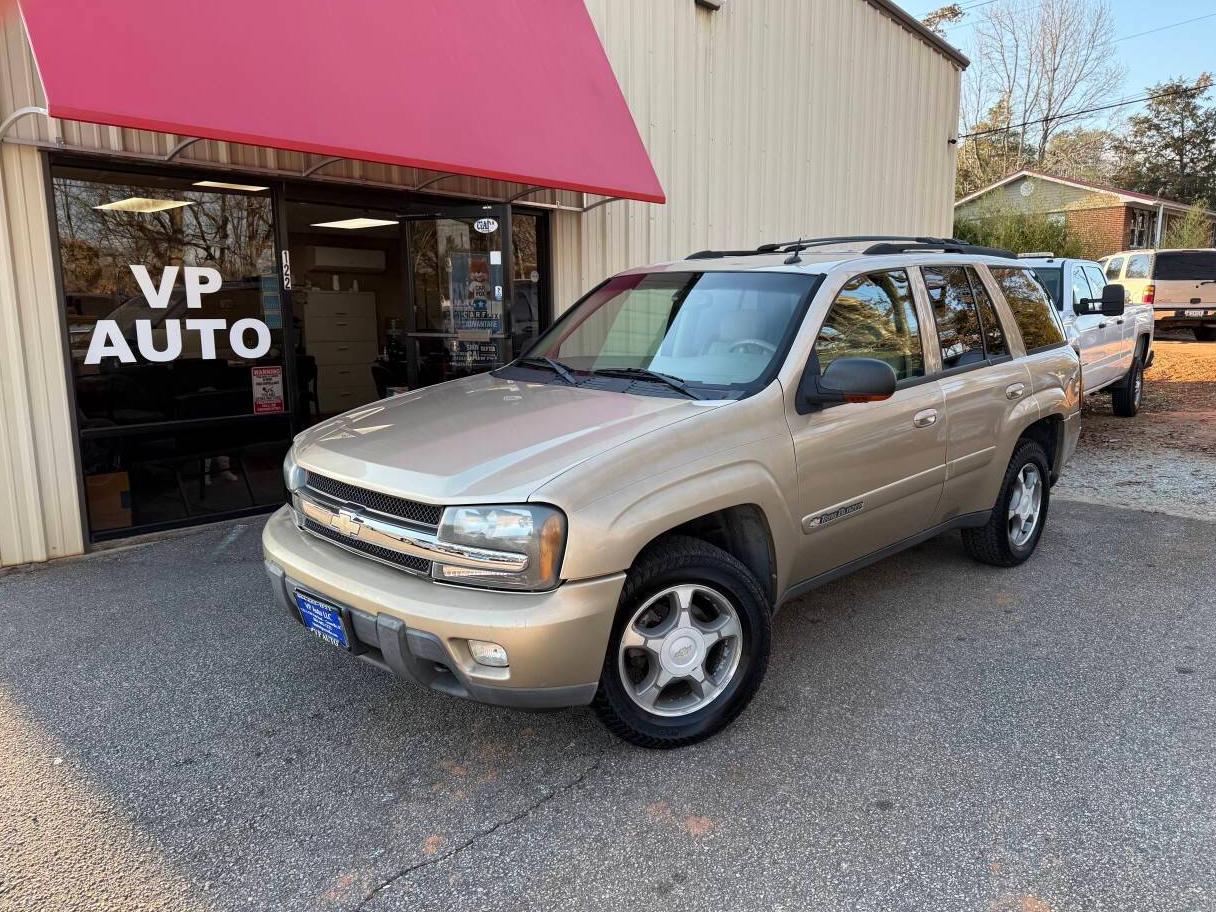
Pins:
x,y
726,330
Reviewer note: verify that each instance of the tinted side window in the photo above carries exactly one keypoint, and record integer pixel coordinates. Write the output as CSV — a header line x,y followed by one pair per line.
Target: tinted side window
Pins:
x,y
874,317
1138,266
958,324
1032,309
994,336
1113,268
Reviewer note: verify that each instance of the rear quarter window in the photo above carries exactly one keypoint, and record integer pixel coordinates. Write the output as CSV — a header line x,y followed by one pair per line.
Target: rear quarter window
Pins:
x,y
1184,265
1033,310
1139,266
1113,268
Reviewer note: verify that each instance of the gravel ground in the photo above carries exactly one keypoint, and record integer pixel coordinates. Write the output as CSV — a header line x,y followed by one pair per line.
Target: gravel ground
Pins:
x,y
933,735
1164,459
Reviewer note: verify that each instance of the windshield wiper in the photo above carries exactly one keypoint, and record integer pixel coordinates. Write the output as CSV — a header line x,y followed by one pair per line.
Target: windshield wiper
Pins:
x,y
642,373
553,364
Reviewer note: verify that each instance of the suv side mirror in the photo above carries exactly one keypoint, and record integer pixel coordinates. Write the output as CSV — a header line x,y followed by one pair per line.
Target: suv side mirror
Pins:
x,y
1112,303
847,380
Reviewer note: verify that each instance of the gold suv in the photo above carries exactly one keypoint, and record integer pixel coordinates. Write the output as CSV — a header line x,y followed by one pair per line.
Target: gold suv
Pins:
x,y
613,518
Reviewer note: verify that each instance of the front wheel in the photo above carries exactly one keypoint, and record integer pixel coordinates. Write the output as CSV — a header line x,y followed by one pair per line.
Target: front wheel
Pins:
x,y
688,649
1125,398
1013,531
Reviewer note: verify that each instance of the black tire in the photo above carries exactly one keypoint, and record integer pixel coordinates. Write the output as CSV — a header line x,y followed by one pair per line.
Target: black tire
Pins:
x,y
992,542
1125,398
676,561
1205,333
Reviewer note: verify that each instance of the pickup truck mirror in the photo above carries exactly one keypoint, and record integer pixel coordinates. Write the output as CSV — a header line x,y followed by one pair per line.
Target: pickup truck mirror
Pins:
x,y
847,380
1112,303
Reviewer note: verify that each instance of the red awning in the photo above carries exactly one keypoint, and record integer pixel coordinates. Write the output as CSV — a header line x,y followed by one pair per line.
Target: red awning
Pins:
x,y
515,90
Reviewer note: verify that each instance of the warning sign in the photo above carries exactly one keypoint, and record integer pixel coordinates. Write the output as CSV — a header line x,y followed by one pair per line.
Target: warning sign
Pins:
x,y
267,390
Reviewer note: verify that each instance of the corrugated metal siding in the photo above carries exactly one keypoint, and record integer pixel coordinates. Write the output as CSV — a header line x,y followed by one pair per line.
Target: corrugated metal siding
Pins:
x,y
768,120
39,503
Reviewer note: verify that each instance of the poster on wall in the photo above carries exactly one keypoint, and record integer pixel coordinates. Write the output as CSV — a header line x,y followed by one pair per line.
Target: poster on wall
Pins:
x,y
267,390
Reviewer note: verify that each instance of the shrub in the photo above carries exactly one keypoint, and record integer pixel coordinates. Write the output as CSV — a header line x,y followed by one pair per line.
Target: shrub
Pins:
x,y
1021,232
1193,230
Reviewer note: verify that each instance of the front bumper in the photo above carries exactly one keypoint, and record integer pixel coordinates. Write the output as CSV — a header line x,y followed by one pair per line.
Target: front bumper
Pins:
x,y
420,629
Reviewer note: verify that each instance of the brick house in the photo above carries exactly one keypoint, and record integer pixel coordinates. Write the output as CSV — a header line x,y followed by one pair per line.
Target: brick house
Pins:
x,y
1105,219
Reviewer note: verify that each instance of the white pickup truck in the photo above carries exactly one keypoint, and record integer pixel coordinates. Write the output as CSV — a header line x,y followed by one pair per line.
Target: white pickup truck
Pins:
x,y
1115,338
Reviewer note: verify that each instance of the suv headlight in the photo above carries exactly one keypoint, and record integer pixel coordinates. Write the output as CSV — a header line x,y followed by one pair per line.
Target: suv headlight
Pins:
x,y
533,532
293,475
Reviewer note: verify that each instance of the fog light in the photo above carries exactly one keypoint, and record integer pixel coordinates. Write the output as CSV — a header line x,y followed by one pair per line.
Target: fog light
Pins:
x,y
488,654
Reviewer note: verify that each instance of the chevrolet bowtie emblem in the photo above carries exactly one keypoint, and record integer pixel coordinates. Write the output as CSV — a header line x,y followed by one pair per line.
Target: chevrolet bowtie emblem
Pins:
x,y
348,522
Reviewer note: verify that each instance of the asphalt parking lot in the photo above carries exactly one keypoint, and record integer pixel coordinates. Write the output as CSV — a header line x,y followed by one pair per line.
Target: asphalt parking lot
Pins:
x,y
933,734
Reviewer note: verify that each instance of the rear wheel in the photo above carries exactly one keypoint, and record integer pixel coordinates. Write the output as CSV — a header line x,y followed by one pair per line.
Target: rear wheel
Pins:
x,y
1013,530
1205,333
1127,395
688,649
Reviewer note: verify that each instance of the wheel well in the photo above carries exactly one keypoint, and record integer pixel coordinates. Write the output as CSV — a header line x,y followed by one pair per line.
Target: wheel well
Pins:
x,y
1142,347
1046,432
741,531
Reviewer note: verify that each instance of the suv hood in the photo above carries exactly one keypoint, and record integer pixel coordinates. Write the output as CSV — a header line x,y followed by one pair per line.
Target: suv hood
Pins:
x,y
481,439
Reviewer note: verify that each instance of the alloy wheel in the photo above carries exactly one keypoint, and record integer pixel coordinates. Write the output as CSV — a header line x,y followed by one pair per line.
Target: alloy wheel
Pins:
x,y
680,650
1025,505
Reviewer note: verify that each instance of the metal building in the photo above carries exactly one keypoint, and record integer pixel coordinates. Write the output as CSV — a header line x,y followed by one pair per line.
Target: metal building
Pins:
x,y
370,272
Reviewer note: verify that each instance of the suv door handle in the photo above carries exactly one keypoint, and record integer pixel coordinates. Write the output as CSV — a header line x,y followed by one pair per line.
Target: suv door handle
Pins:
x,y
924,418
1014,390
1102,325
1120,321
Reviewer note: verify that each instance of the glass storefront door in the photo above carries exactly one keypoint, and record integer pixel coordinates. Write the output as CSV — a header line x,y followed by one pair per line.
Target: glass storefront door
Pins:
x,y
461,286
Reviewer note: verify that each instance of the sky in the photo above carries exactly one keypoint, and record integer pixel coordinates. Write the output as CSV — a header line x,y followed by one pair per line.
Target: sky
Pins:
x,y
1186,50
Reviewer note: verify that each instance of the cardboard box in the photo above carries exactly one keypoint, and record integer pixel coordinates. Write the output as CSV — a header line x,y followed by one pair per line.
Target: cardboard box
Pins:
x,y
109,500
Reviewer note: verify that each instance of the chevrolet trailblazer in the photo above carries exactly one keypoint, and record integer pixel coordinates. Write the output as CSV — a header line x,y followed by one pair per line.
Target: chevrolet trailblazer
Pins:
x,y
612,518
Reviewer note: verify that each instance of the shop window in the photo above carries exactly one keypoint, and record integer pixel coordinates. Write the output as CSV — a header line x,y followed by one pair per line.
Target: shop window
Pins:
x,y
175,335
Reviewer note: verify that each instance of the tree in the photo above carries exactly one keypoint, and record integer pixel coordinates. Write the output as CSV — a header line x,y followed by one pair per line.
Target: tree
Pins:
x,y
937,20
1083,153
1192,230
1042,64
996,152
1170,146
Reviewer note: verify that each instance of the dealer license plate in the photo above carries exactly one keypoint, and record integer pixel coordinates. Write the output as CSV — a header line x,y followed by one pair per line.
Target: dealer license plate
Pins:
x,y
323,620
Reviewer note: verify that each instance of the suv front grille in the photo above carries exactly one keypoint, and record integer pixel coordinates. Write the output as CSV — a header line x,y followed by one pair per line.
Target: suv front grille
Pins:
x,y
404,561
410,510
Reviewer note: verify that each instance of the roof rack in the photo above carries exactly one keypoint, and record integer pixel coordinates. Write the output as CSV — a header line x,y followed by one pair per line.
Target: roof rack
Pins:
x,y
1037,255
945,246
880,243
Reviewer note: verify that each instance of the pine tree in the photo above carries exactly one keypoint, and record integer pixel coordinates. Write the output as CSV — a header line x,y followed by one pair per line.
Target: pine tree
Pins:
x,y
1170,147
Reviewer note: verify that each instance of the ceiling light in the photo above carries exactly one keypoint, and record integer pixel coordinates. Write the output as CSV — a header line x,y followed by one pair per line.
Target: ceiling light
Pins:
x,y
352,223
143,204
223,185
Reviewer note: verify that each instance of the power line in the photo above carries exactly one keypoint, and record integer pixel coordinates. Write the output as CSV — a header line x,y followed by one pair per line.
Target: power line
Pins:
x,y
1094,110
1164,27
